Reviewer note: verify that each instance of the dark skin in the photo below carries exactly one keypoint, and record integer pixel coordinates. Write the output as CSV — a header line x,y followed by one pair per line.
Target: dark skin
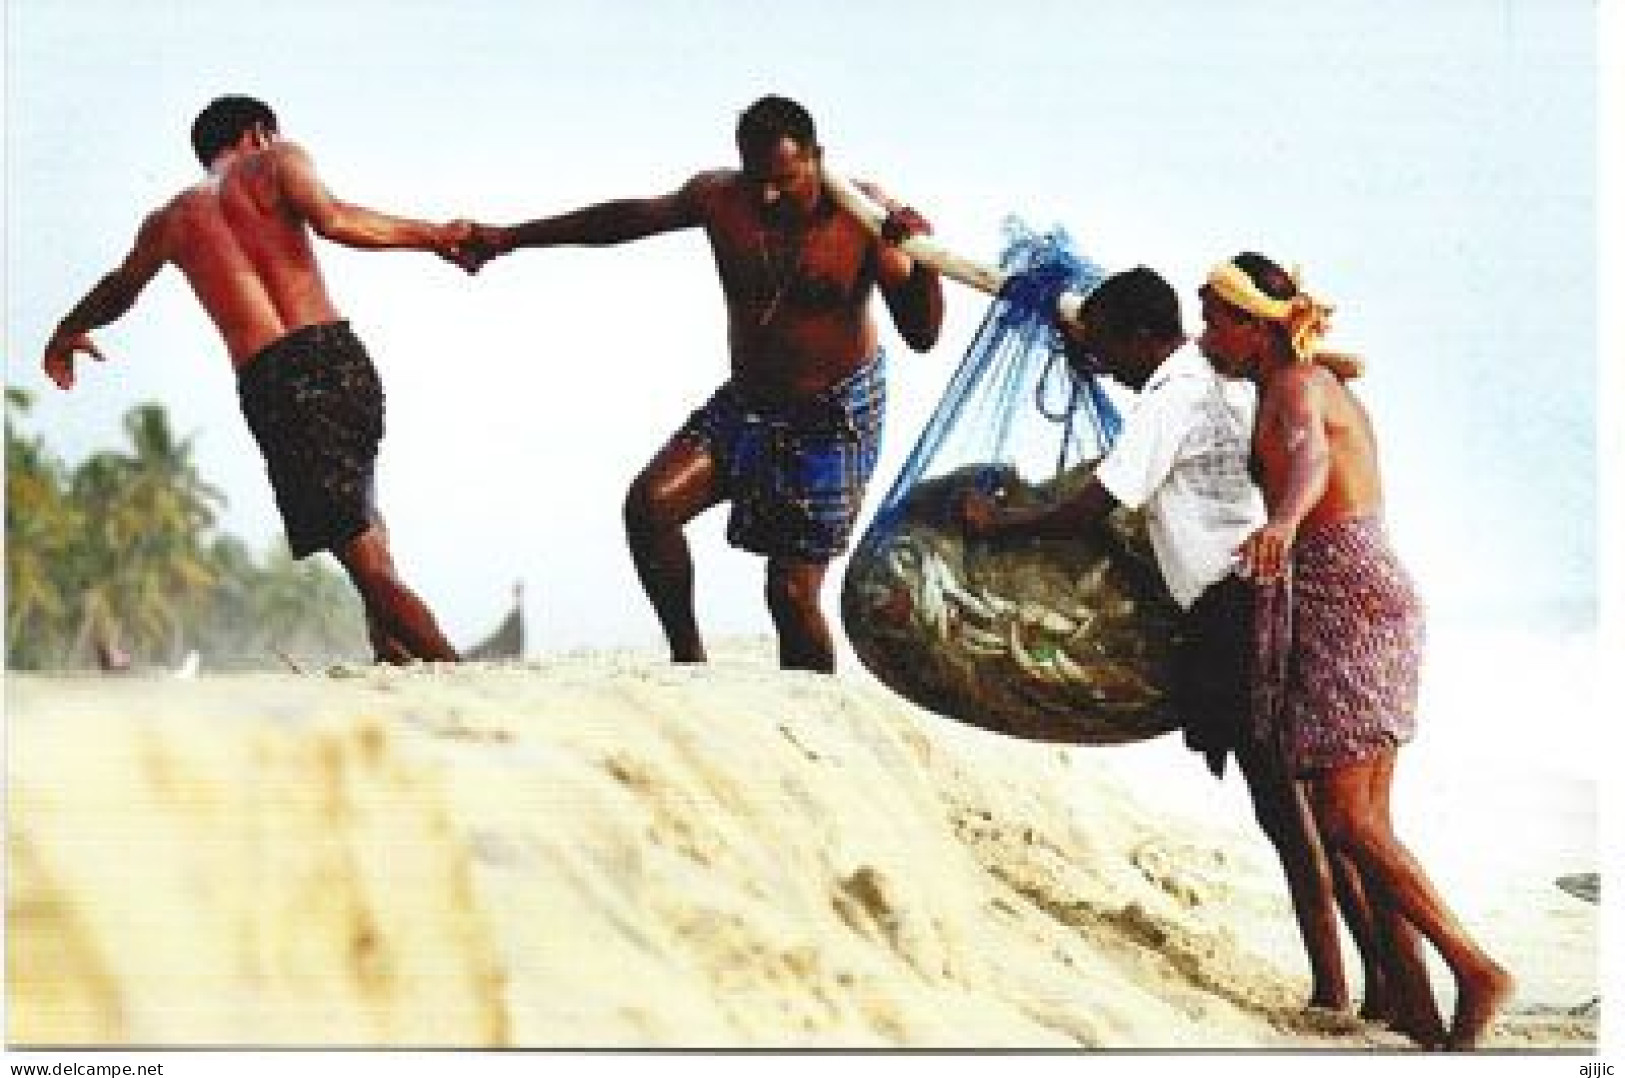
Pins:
x,y
797,274
1278,804
242,237
1317,457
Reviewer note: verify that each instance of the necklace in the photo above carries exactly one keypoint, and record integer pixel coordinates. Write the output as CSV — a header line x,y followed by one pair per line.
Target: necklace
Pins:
x,y
781,273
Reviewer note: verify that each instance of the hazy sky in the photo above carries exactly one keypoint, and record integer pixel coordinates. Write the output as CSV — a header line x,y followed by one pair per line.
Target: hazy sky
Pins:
x,y
1432,168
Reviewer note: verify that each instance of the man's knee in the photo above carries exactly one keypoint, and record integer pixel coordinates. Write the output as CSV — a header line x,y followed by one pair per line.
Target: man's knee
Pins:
x,y
678,485
792,589
647,508
1344,821
366,556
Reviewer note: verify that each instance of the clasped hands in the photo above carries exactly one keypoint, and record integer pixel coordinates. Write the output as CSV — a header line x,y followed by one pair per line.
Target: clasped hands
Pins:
x,y
469,245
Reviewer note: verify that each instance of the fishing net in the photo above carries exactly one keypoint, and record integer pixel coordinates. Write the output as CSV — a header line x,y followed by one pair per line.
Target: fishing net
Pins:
x,y
1052,639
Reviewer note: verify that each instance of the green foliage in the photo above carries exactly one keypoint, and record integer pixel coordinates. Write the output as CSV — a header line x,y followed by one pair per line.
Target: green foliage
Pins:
x,y
121,553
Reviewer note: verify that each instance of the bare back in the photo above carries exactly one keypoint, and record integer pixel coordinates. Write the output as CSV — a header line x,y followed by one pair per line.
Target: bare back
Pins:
x,y
247,253
1307,410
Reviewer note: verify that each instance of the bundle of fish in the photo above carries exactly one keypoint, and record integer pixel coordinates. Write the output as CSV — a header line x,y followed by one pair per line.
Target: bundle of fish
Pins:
x,y
1066,640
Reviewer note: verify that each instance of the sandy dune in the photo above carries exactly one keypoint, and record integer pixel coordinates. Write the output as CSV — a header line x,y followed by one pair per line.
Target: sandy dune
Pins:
x,y
603,850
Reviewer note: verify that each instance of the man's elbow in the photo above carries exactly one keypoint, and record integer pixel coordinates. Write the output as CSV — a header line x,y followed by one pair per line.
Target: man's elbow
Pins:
x,y
329,227
336,224
922,338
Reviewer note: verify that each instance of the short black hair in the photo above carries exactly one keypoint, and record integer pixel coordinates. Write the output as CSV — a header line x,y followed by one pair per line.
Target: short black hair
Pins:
x,y
771,118
223,121
1270,278
1135,302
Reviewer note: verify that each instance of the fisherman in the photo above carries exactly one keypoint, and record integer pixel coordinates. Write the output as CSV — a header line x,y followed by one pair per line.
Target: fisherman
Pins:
x,y
792,438
307,387
1340,625
1182,454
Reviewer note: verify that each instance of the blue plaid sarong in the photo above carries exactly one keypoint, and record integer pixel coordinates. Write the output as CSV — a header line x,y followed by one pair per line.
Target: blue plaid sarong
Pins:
x,y
795,474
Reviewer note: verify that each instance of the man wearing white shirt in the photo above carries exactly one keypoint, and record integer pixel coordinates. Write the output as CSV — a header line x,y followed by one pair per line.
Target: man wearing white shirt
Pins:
x,y
1183,456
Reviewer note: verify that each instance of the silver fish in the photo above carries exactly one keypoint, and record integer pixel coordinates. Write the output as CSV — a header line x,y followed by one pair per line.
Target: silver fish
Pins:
x,y
1053,640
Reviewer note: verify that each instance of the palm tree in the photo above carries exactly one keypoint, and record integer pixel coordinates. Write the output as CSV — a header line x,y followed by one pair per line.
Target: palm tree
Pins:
x,y
89,567
121,554
40,526
139,562
166,567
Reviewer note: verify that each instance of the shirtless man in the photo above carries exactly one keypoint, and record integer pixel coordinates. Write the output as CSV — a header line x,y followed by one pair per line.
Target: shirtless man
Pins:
x,y
793,436
306,385
1183,458
1341,606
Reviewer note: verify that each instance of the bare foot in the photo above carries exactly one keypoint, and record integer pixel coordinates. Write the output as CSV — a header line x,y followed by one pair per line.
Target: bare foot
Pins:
x,y
1426,1030
1412,1011
1479,999
392,655
1419,1022
1328,994
1378,1004
1329,1020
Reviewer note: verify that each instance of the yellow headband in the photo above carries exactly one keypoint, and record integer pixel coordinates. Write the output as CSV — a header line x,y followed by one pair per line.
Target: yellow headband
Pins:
x,y
1306,319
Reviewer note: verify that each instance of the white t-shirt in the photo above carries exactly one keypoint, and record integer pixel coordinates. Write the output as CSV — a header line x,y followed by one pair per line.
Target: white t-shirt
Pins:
x,y
1182,455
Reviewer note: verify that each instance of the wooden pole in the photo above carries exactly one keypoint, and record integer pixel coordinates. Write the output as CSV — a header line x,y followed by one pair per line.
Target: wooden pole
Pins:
x,y
977,275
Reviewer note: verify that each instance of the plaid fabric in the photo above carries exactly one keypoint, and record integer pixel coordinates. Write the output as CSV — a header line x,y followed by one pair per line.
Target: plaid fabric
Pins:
x,y
1339,650
316,407
795,475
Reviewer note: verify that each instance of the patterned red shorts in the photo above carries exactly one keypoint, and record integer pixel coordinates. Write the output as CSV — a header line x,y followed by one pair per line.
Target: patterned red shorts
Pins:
x,y
1339,650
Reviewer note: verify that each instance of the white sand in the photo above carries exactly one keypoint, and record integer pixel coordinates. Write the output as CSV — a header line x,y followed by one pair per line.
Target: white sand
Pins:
x,y
601,850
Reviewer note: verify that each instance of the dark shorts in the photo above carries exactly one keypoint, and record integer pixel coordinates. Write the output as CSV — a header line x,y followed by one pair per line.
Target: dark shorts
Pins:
x,y
1339,650
795,476
1212,677
316,407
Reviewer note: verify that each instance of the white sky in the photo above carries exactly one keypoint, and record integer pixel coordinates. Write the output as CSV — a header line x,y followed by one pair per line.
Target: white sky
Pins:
x,y
1431,166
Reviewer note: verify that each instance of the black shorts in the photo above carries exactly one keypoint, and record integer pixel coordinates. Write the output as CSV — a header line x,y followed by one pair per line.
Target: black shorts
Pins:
x,y
316,407
1214,668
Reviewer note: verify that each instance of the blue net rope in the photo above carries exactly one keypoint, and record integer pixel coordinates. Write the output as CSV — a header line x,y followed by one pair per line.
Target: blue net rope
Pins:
x,y
1014,372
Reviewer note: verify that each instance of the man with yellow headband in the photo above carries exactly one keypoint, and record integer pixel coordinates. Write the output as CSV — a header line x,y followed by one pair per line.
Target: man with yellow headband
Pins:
x,y
1182,458
1339,625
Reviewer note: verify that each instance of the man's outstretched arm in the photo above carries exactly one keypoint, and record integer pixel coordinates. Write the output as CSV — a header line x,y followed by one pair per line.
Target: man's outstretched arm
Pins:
x,y
602,225
110,299
356,226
